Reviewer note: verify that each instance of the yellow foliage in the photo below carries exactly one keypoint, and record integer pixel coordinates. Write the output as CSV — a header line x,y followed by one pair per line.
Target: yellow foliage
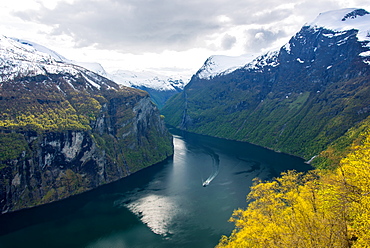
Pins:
x,y
354,174
52,116
316,209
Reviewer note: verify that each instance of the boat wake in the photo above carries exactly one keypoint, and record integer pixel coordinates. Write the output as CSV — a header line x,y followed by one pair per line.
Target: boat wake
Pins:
x,y
215,168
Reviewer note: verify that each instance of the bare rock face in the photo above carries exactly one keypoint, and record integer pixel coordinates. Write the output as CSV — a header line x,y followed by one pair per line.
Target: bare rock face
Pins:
x,y
65,130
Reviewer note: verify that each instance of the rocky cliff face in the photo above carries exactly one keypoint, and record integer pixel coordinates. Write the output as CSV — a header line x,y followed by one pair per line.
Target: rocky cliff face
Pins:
x,y
297,99
65,130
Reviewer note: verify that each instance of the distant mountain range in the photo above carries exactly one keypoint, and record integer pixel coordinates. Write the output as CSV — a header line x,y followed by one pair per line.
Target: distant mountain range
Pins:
x,y
297,99
160,87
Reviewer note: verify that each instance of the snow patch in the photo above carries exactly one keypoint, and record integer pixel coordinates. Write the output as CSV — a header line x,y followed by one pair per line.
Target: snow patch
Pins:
x,y
222,65
268,59
287,48
42,49
91,82
365,54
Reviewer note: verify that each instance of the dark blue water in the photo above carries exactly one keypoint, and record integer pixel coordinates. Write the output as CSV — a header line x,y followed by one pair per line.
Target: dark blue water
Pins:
x,y
162,206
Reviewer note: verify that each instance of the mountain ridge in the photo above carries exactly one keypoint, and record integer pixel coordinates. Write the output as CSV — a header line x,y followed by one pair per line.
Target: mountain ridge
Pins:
x,y
297,99
336,20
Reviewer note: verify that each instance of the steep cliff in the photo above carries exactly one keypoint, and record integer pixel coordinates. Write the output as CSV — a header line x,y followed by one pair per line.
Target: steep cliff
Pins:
x,y
297,99
65,130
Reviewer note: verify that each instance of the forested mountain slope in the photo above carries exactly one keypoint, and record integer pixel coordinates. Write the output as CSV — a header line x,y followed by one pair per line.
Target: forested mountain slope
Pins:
x,y
65,129
326,207
297,100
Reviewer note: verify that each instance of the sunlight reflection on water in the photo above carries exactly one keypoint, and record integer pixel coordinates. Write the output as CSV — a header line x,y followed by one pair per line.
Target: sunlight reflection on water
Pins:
x,y
156,211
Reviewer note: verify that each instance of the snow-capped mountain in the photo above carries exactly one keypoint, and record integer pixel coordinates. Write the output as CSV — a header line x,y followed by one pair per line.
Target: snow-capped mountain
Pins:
x,y
344,19
222,64
148,79
338,21
19,58
94,67
40,48
330,25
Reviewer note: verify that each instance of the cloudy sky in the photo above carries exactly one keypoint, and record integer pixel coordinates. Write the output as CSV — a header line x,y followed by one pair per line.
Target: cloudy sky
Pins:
x,y
169,36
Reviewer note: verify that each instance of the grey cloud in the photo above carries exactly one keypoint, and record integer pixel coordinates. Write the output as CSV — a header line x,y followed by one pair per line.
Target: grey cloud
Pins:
x,y
130,25
276,15
228,41
258,39
138,26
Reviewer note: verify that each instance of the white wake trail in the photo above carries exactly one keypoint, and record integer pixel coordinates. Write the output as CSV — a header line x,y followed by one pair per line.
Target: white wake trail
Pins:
x,y
215,167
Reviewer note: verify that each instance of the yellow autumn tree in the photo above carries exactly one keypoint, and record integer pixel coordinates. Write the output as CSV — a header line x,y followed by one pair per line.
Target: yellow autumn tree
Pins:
x,y
316,209
354,174
292,211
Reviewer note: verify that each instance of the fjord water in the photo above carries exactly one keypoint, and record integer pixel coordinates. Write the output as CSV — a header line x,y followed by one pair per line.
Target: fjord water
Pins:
x,y
165,205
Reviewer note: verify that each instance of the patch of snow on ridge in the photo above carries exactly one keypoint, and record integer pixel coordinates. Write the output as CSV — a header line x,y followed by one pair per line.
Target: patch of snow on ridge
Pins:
x,y
221,65
268,59
42,49
345,19
91,66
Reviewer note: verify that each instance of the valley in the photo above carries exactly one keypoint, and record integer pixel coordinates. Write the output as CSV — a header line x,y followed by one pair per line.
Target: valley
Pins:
x,y
170,159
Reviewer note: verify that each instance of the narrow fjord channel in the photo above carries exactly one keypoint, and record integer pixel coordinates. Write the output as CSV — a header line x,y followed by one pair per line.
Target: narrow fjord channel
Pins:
x,y
166,205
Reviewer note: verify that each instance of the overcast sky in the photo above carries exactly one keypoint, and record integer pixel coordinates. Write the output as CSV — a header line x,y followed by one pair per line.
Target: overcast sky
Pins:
x,y
174,36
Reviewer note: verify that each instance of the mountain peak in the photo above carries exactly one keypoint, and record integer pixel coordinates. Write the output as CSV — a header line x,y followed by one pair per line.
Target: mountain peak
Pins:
x,y
343,20
222,64
354,14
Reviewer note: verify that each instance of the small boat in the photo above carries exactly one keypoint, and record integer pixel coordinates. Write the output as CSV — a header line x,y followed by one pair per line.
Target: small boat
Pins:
x,y
205,183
